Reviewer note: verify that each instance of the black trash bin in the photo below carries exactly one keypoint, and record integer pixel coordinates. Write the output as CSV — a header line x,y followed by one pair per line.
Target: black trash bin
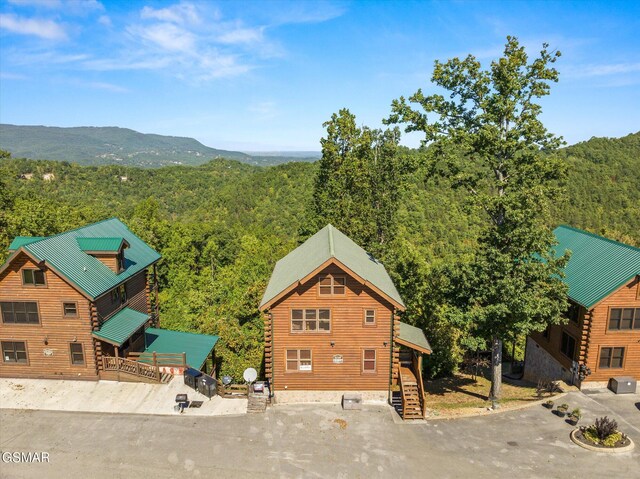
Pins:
x,y
191,377
207,385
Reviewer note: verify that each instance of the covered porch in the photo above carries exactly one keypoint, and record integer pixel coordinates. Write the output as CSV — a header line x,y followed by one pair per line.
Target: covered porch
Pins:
x,y
131,351
412,343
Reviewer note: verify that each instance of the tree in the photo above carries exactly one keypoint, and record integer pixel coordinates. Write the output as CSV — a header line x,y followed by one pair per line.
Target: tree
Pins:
x,y
359,181
487,139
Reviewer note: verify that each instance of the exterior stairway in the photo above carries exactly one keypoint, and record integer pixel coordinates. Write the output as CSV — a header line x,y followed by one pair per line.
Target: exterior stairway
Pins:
x,y
165,378
412,401
409,401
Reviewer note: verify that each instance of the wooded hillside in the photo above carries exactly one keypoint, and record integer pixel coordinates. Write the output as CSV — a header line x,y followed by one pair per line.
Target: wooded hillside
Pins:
x,y
220,228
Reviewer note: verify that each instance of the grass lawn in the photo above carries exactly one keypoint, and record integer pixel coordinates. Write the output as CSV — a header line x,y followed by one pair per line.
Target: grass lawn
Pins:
x,y
460,394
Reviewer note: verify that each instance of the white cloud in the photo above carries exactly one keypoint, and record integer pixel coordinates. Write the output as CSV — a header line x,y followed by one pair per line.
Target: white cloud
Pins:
x,y
181,13
105,20
242,35
47,29
12,76
607,69
106,86
166,36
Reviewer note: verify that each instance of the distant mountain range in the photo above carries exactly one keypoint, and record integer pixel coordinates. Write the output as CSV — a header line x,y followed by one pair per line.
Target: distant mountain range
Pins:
x,y
122,146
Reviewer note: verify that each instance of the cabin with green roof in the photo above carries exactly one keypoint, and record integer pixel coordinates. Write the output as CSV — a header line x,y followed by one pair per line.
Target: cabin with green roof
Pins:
x,y
84,305
332,327
601,338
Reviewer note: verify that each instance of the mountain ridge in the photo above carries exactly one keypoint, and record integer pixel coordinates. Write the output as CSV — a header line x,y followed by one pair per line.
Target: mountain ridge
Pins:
x,y
107,145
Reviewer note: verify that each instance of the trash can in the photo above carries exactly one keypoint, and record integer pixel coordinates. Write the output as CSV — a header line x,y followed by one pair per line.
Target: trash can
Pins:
x,y
207,385
191,377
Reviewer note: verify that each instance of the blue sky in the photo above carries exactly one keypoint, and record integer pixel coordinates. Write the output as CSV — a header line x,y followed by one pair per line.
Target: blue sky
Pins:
x,y
266,75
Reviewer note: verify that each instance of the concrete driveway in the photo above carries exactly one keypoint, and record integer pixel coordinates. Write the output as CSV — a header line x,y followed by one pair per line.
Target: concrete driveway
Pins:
x,y
311,441
110,397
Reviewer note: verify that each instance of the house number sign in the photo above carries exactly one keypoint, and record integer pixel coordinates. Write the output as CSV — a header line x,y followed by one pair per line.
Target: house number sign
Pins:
x,y
48,352
337,359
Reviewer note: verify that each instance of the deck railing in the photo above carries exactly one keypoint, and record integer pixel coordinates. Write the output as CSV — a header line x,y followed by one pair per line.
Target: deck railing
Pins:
x,y
169,360
417,370
110,363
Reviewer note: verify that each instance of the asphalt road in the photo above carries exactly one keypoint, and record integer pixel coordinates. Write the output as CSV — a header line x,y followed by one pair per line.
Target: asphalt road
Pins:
x,y
317,441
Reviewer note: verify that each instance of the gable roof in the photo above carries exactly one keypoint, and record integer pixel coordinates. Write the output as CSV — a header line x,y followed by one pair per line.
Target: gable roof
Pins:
x,y
413,337
101,245
121,326
598,266
23,240
63,254
328,244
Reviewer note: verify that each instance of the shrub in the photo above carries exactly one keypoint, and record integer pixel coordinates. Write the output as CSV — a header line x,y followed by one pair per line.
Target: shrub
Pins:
x,y
605,427
577,413
547,386
563,407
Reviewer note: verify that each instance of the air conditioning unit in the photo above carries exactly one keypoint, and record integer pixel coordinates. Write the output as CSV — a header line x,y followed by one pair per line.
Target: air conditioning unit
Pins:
x,y
623,385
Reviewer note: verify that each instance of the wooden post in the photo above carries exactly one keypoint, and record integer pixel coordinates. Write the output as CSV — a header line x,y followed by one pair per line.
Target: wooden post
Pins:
x,y
184,360
117,363
155,365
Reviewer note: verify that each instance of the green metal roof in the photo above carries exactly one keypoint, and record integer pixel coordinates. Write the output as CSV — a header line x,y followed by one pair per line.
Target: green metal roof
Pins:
x,y
100,244
196,346
328,243
23,240
119,327
598,266
63,254
413,335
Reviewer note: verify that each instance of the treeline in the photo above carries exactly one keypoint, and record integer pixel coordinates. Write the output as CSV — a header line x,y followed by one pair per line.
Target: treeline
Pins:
x,y
221,227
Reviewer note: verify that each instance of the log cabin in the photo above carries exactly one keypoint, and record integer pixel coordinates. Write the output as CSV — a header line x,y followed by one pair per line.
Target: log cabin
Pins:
x,y
601,337
84,305
331,315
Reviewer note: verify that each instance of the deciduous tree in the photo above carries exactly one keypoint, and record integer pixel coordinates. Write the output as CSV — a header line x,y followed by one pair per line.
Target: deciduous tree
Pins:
x,y
489,141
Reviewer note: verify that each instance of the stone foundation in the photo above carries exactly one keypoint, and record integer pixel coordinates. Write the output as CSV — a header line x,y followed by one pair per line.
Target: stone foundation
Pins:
x,y
331,397
539,364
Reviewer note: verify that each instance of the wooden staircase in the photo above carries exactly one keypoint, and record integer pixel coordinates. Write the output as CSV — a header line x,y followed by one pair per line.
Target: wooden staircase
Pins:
x,y
410,402
126,377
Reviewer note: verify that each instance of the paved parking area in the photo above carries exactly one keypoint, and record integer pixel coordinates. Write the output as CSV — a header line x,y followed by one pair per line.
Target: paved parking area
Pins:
x,y
110,397
312,441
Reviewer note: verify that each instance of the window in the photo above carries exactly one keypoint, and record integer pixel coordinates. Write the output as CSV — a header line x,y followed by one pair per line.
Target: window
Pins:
x,y
77,354
611,357
122,291
573,313
330,284
119,294
70,310
299,360
369,360
311,320
568,346
369,317
14,352
20,312
120,261
33,277
624,318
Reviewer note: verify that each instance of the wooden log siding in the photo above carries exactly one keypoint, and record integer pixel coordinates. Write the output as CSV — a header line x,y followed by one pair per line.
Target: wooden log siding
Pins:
x,y
592,333
601,336
348,333
136,298
58,331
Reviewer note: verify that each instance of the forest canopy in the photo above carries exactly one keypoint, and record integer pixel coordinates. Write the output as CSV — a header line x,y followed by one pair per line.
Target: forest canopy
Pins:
x,y
221,227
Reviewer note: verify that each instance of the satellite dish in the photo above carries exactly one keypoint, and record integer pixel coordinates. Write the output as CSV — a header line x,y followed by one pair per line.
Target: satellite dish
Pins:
x,y
250,375
226,380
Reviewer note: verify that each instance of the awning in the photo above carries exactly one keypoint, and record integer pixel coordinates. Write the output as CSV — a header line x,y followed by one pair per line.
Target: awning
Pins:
x,y
413,338
196,346
121,326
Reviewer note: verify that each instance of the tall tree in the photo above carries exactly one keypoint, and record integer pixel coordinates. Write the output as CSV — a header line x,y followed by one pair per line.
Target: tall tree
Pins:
x,y
359,181
488,139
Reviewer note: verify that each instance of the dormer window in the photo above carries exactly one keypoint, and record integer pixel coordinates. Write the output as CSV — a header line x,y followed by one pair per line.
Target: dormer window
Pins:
x,y
332,285
33,277
120,261
109,251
